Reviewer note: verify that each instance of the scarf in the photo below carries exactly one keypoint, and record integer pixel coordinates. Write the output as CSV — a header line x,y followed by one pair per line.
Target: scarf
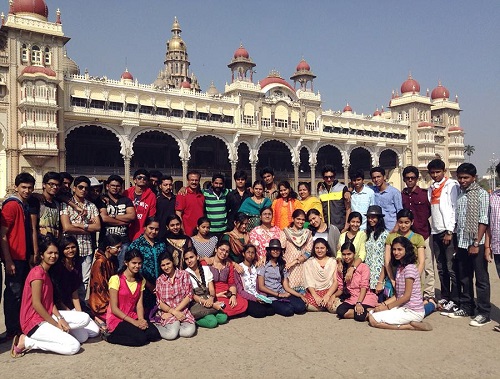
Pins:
x,y
235,242
297,237
436,192
472,219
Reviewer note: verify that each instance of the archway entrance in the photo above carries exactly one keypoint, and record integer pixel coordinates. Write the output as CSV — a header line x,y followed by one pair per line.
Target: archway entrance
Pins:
x,y
93,151
209,155
155,150
360,159
330,155
276,154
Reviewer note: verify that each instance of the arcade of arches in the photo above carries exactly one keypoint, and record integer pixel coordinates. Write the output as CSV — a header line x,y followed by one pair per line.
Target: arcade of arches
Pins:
x,y
95,151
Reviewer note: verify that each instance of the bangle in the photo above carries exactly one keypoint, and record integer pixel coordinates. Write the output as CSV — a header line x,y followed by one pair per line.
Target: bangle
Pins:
x,y
59,318
487,247
124,318
384,303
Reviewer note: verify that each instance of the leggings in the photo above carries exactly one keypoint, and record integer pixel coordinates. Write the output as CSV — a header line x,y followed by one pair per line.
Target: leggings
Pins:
x,y
258,310
289,306
130,335
343,308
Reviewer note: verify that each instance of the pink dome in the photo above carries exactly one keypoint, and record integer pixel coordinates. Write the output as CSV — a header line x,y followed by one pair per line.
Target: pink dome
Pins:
x,y
347,108
127,75
186,84
303,66
30,6
440,92
410,85
241,52
377,113
275,80
39,70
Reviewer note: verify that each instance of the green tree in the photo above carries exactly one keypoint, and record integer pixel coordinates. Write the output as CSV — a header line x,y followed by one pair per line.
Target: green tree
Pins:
x,y
469,150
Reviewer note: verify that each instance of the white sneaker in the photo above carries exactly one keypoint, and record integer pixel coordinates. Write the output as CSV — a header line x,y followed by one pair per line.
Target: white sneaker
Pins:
x,y
479,320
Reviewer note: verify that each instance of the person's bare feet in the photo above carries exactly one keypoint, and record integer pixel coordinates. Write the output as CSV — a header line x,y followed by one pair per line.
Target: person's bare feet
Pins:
x,y
422,326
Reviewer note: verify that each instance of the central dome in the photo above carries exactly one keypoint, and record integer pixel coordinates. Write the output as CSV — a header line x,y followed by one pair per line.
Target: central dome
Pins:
x,y
410,85
37,8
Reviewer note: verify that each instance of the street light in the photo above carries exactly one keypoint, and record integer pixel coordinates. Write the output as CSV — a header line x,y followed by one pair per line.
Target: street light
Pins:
x,y
493,177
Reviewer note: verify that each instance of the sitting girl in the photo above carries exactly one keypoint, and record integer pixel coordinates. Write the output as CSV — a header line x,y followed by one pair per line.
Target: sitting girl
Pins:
x,y
174,292
225,287
206,311
44,326
273,281
203,242
320,277
355,293
246,284
67,279
125,316
405,311
103,268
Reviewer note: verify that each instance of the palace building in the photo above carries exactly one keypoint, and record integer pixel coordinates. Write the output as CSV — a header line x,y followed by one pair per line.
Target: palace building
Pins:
x,y
54,117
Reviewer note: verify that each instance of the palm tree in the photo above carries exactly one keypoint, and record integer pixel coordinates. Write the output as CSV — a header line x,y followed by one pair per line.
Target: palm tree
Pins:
x,y
469,150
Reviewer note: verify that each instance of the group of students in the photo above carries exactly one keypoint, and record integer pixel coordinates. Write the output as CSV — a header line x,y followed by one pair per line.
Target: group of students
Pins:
x,y
283,255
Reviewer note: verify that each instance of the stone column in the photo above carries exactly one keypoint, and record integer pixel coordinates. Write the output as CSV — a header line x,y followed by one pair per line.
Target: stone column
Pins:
x,y
233,171
253,166
296,166
126,164
346,174
184,171
313,179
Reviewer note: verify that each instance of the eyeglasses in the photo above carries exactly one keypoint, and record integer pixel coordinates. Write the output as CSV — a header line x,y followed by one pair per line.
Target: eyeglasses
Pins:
x,y
115,247
82,188
410,178
53,185
328,177
141,177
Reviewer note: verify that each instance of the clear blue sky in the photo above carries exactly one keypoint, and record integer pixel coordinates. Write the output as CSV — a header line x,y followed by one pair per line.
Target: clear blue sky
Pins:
x,y
359,50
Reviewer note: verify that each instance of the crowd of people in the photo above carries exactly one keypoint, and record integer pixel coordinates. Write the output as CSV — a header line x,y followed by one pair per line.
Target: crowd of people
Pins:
x,y
136,265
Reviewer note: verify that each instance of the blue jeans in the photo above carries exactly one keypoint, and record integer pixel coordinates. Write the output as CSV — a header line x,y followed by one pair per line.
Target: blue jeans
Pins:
x,y
289,306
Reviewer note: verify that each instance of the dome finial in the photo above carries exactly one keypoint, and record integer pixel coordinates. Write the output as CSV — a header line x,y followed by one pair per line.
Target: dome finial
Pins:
x,y
58,16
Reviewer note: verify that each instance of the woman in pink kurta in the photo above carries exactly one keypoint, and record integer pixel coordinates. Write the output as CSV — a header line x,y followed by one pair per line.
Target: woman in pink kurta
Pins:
x,y
355,293
262,234
298,245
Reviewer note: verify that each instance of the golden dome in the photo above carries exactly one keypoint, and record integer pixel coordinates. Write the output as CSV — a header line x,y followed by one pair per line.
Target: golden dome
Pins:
x,y
176,44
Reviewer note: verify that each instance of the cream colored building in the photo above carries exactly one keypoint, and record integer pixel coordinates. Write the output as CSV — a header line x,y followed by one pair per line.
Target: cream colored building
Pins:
x,y
52,117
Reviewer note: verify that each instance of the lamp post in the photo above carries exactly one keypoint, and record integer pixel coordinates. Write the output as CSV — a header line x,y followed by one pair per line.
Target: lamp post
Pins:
x,y
493,177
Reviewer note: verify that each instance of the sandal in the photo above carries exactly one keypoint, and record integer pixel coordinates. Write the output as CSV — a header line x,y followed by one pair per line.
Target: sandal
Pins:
x,y
16,352
496,328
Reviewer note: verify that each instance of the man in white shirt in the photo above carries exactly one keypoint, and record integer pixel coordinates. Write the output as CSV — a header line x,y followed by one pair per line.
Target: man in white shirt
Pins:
x,y
362,196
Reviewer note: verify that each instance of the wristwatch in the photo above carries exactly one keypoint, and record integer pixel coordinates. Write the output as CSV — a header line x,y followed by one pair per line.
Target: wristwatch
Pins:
x,y
475,244
449,232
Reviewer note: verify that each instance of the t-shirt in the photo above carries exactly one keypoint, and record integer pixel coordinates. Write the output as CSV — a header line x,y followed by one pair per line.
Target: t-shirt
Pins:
x,y
15,217
402,273
191,207
215,208
272,278
117,208
84,240
416,240
29,318
249,279
114,283
48,215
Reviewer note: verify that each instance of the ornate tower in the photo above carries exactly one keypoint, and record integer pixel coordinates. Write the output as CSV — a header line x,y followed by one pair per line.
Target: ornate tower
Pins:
x,y
303,75
241,66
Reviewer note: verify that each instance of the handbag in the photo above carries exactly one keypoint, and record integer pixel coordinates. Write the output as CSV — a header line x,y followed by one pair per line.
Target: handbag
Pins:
x,y
197,310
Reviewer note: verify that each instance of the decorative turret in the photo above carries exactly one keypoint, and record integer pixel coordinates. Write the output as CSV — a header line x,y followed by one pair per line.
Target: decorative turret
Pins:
x,y
241,65
303,75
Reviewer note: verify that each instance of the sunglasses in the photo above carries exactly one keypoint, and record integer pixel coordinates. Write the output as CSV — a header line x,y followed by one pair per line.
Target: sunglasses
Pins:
x,y
141,177
410,178
82,188
328,177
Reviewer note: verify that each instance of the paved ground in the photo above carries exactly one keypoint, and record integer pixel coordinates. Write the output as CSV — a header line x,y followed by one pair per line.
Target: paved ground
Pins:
x,y
308,346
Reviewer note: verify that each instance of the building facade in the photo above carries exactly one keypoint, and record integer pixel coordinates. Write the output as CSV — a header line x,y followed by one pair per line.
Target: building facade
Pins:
x,y
52,117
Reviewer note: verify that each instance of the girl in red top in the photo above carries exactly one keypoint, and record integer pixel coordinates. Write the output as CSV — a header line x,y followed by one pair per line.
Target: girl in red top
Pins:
x,y
44,326
125,316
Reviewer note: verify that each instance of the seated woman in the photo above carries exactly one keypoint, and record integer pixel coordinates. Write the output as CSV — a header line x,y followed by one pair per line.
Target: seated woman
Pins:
x,y
125,315
405,310
203,242
177,242
252,206
321,229
262,234
225,286
174,292
67,279
150,248
259,306
104,267
237,238
284,205
320,277
357,237
298,245
355,293
206,311
272,279
404,224
44,327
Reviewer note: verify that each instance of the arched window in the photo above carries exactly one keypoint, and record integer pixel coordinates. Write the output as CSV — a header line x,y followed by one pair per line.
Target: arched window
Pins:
x,y
36,55
24,53
46,57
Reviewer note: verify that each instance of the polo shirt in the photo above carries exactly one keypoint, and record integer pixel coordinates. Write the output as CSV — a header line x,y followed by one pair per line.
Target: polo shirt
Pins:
x,y
360,201
215,209
191,205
